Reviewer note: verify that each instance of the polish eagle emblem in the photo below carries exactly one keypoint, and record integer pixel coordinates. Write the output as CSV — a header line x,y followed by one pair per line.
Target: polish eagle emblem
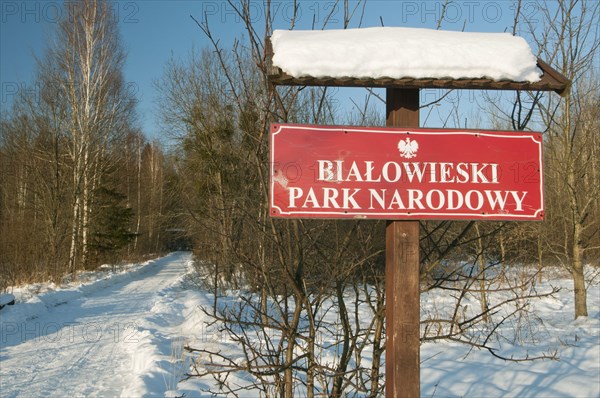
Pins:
x,y
408,149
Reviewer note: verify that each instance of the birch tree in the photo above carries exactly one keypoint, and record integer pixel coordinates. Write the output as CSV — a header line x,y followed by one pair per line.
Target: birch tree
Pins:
x,y
84,64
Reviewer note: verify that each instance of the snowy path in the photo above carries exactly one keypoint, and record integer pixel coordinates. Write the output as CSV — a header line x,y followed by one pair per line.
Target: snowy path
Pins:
x,y
89,346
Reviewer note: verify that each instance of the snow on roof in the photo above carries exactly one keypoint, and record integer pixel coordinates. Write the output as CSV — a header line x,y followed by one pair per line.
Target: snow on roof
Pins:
x,y
404,53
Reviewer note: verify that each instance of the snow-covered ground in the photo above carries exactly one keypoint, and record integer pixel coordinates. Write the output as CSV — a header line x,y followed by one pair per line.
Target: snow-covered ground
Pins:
x,y
123,333
116,335
450,369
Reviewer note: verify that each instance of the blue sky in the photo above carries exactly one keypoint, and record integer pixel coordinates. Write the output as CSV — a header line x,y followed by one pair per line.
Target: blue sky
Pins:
x,y
154,30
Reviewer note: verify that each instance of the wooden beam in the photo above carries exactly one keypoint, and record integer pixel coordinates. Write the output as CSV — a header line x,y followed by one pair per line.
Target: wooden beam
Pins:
x,y
554,76
545,84
402,349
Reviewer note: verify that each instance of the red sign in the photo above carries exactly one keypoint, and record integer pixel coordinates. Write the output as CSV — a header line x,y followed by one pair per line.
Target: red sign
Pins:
x,y
395,173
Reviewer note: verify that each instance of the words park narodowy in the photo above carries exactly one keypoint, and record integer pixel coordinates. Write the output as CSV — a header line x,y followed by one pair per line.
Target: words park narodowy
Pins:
x,y
404,173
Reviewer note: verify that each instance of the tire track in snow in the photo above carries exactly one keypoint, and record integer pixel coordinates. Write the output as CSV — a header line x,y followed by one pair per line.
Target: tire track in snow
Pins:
x,y
78,348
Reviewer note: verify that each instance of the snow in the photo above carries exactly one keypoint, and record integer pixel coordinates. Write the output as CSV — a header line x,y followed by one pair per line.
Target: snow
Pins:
x,y
456,370
114,336
122,334
6,299
396,52
546,327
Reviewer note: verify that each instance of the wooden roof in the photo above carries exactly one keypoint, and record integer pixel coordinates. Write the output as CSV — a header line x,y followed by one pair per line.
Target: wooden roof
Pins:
x,y
551,80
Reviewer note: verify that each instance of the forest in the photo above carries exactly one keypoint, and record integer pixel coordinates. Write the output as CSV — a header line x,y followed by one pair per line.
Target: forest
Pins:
x,y
81,186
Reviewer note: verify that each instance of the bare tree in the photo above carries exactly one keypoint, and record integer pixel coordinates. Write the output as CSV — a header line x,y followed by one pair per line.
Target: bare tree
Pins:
x,y
569,39
83,66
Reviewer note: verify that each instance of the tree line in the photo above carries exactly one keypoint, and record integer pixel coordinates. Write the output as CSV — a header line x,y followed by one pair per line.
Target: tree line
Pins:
x,y
79,183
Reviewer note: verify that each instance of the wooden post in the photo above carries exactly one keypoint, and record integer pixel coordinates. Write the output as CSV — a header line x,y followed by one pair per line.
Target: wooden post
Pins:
x,y
402,367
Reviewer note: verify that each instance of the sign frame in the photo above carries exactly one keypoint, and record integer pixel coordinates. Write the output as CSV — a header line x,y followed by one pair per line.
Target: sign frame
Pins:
x,y
478,137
